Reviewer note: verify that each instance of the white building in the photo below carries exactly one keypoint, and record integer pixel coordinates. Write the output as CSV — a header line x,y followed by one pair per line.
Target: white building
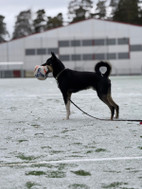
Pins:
x,y
80,46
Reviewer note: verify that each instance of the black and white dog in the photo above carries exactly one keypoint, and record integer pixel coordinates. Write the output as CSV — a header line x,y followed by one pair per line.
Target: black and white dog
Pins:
x,y
70,81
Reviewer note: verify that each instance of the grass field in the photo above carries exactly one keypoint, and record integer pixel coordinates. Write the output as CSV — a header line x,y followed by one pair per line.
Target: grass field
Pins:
x,y
40,150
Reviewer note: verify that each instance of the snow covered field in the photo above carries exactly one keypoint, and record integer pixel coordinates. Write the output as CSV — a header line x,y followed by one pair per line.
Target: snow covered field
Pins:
x,y
40,150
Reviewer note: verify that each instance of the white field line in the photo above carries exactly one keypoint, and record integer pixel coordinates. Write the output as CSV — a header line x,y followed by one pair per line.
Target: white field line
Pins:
x,y
69,161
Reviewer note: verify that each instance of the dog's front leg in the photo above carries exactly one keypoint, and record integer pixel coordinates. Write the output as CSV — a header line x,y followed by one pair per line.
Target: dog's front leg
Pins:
x,y
67,110
67,104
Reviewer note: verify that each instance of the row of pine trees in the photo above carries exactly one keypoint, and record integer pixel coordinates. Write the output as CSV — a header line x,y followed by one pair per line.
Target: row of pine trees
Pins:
x,y
128,11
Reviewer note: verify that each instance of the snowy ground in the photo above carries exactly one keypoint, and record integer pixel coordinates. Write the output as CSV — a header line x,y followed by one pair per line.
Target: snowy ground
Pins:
x,y
35,141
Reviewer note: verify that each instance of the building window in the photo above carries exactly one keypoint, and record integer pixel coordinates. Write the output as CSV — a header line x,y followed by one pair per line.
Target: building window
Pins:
x,y
99,56
110,41
88,57
55,50
111,56
99,41
64,57
76,57
30,51
87,42
123,41
123,55
41,51
75,43
136,48
64,43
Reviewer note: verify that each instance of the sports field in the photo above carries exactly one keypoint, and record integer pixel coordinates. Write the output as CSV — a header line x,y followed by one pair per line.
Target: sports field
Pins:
x,y
40,150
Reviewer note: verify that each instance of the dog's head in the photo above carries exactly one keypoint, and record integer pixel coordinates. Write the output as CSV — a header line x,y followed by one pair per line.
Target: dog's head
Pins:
x,y
54,64
49,62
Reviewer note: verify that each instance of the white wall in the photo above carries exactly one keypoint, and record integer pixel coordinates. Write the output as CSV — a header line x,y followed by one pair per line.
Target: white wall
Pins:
x,y
89,29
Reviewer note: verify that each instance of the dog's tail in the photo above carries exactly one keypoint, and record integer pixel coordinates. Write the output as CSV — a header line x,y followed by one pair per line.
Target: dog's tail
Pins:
x,y
103,64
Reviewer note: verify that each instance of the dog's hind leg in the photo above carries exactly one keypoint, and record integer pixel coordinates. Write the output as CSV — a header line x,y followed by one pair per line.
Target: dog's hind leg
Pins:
x,y
111,101
105,100
114,105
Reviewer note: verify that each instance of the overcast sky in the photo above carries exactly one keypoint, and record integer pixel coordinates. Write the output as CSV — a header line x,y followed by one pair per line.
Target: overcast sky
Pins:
x,y
11,8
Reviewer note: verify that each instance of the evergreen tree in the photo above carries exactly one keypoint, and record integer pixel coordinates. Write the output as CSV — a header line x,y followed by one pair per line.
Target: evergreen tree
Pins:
x,y
79,14
39,23
101,8
79,9
23,25
3,31
113,4
54,22
128,11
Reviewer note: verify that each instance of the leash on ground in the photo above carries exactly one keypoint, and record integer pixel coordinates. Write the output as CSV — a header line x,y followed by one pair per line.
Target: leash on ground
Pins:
x,y
101,119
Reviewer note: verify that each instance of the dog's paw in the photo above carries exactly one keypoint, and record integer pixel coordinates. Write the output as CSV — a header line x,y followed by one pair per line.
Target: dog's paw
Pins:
x,y
117,117
66,118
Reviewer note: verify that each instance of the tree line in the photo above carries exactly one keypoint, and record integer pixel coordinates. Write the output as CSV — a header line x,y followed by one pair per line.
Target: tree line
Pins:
x,y
128,11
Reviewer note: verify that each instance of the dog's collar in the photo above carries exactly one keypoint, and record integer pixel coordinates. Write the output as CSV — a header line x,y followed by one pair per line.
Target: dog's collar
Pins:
x,y
58,75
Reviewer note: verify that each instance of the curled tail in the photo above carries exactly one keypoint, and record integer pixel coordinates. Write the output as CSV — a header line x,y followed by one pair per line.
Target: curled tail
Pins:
x,y
103,64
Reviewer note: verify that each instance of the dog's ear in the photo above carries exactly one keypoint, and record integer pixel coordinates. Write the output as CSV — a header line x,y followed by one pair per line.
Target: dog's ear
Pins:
x,y
53,55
